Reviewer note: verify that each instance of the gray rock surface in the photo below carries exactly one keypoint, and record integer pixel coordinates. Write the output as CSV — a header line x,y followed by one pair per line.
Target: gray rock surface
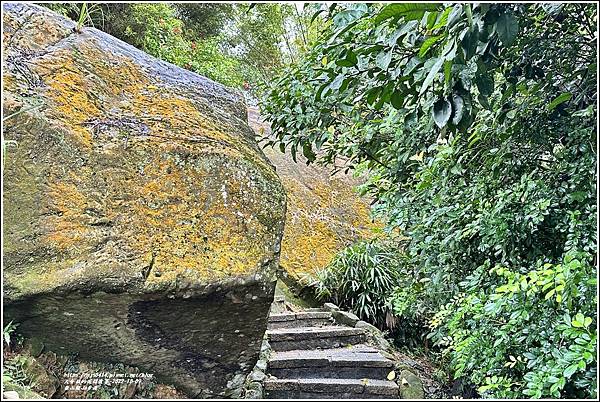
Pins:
x,y
366,326
375,336
324,212
345,318
330,307
410,385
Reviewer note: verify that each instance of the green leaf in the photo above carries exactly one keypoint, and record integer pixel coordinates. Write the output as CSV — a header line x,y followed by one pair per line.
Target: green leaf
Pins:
x,y
442,109
483,101
339,32
345,17
308,153
570,370
349,60
485,84
469,12
454,16
432,74
469,43
383,60
447,72
320,91
343,63
560,99
403,30
372,95
397,99
577,324
467,119
458,105
507,28
337,82
315,15
443,19
431,18
428,43
410,11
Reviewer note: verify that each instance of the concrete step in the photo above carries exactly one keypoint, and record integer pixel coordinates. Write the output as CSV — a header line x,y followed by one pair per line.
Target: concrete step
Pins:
x,y
353,361
330,388
306,338
299,319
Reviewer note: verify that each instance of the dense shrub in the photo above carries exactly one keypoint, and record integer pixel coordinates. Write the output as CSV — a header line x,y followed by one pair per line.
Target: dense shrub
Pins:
x,y
537,319
477,125
374,280
155,29
360,279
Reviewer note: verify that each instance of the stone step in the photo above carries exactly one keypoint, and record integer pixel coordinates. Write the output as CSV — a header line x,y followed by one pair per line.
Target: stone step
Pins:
x,y
305,338
354,361
300,319
300,315
330,388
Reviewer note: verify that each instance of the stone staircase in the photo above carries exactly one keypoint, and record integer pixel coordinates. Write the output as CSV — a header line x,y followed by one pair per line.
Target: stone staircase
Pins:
x,y
313,356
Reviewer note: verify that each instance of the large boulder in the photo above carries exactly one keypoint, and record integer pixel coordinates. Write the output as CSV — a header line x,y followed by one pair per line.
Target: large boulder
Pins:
x,y
142,223
324,211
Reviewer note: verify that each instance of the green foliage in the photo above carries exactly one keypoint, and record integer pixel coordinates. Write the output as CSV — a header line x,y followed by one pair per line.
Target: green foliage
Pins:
x,y
158,30
535,319
204,20
477,125
88,13
257,36
360,279
84,14
230,43
13,371
8,333
155,29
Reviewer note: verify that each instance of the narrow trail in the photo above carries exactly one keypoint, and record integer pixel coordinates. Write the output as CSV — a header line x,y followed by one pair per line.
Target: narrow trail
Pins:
x,y
315,357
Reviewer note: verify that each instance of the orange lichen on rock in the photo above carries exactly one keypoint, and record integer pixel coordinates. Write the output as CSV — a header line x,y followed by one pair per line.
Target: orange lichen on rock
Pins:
x,y
147,166
190,229
66,206
324,212
321,220
142,223
84,90
73,104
